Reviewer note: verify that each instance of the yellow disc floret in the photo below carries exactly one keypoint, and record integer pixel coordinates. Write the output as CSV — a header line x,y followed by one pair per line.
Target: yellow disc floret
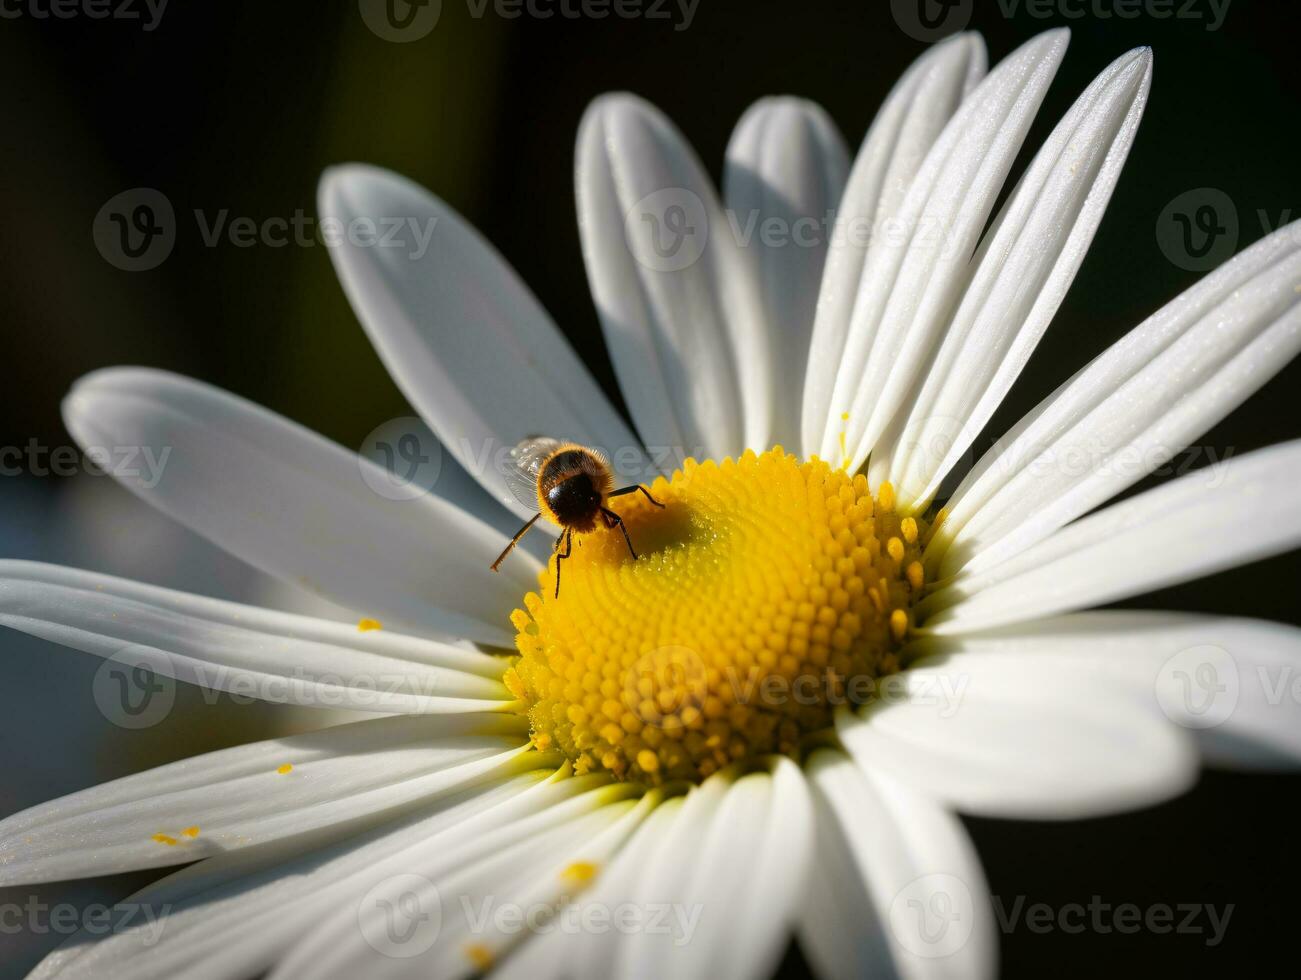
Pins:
x,y
768,591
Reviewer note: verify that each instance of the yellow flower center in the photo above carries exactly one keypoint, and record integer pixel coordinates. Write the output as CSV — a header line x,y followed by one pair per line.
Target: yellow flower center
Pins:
x,y
767,592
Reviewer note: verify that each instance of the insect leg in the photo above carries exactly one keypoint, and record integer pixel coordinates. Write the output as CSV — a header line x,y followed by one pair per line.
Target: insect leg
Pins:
x,y
568,538
514,541
612,520
633,489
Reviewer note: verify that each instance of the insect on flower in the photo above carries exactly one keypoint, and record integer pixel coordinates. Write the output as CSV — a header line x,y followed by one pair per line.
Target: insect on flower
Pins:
x,y
570,484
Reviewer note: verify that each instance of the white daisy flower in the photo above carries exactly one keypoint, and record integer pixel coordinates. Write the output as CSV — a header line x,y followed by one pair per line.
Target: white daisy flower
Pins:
x,y
766,723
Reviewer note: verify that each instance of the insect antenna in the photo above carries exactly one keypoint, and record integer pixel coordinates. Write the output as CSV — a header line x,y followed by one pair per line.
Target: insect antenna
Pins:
x,y
514,541
633,489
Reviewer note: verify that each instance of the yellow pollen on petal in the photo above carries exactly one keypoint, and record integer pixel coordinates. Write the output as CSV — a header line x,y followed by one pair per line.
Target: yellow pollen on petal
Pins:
x,y
165,839
368,625
480,955
286,769
767,592
580,872
190,832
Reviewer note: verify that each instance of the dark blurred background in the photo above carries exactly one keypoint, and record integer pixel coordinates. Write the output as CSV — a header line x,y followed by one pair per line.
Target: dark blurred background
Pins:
x,y
239,108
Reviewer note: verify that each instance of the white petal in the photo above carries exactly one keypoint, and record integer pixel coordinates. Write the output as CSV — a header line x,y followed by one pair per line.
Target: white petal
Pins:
x,y
1236,683
1038,741
589,955
681,319
297,506
531,875
910,286
240,797
226,646
889,860
1133,408
1199,524
497,870
715,889
238,913
906,126
463,337
785,173
704,859
1023,269
666,879
750,943
737,873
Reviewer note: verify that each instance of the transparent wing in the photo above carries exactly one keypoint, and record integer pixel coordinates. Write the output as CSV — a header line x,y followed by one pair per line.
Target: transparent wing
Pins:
x,y
526,460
